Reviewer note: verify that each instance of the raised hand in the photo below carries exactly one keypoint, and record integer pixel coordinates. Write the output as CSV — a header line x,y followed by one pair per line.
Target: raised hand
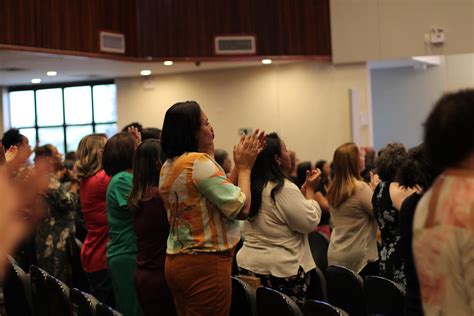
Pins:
x,y
312,178
11,154
246,151
136,134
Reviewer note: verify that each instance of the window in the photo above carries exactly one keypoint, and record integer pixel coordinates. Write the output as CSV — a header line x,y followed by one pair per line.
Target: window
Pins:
x,y
62,115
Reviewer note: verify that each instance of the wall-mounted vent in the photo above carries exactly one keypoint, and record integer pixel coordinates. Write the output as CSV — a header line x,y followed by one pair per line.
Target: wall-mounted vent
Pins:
x,y
235,45
112,42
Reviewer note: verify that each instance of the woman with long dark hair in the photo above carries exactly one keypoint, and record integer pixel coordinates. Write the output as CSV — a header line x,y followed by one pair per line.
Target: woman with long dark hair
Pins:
x,y
202,206
276,245
122,246
151,228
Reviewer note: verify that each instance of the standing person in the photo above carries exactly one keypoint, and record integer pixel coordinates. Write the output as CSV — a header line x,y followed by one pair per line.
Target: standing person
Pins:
x,y
443,239
416,172
276,247
55,236
122,245
202,206
151,227
386,201
353,241
93,188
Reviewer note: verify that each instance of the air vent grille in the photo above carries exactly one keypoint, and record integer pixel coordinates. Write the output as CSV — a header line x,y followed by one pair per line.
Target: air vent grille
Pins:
x,y
235,45
112,42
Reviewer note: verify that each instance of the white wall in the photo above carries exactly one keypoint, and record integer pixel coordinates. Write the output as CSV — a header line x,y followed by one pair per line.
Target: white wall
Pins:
x,y
403,97
306,103
364,30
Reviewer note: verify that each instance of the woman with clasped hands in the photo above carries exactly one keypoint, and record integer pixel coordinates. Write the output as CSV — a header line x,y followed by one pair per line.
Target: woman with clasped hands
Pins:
x,y
276,248
202,206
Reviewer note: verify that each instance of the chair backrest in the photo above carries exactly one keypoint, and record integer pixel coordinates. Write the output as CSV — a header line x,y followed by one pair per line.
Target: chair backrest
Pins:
x,y
243,299
383,296
319,249
318,308
39,291
58,297
17,291
345,290
274,303
317,289
104,310
82,304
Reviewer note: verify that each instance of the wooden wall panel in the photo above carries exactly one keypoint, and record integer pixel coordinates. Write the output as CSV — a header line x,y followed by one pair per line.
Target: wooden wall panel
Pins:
x,y
71,25
186,28
168,28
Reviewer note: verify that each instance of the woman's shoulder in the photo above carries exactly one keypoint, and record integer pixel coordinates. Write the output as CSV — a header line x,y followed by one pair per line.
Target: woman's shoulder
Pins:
x,y
362,186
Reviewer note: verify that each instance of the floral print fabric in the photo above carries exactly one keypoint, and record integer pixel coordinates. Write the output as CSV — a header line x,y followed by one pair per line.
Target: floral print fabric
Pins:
x,y
391,263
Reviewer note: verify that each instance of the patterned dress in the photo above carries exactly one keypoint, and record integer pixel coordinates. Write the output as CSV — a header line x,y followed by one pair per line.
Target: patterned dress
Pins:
x,y
55,238
391,263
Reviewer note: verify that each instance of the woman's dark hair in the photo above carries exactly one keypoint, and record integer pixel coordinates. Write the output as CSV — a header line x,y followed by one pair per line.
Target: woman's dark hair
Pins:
x,y
180,127
265,170
12,137
146,172
151,133
301,172
137,125
417,169
43,151
220,156
389,160
448,130
118,153
319,165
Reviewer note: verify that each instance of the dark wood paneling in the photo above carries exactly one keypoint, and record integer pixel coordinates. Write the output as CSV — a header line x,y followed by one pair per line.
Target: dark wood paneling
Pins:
x,y
168,28
71,25
186,28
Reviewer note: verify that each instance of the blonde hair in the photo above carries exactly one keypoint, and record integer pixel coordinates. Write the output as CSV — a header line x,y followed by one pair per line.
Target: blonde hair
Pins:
x,y
89,155
346,172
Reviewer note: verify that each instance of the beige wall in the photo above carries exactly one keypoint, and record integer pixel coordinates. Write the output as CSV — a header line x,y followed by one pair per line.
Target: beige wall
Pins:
x,y
364,30
306,103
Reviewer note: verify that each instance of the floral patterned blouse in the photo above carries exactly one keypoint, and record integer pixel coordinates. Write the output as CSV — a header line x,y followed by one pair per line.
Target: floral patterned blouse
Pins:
x,y
388,219
55,237
443,244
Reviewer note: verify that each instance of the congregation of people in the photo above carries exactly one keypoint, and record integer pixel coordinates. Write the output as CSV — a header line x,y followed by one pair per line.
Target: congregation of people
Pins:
x,y
152,221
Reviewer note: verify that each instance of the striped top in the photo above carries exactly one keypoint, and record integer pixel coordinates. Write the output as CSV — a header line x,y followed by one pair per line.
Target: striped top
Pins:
x,y
201,204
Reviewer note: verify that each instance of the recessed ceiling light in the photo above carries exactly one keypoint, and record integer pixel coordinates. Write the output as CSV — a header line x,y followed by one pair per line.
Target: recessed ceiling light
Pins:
x,y
36,80
168,63
51,73
145,72
266,61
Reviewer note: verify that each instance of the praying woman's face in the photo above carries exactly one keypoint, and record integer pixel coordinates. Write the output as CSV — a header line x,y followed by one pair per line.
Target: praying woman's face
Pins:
x,y
205,136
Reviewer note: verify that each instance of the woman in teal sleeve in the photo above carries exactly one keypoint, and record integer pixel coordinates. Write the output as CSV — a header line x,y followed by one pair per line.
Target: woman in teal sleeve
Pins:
x,y
122,246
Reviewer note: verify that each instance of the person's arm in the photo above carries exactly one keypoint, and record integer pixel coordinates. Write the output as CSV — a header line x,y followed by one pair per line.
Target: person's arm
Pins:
x,y
245,154
322,201
398,194
301,214
364,194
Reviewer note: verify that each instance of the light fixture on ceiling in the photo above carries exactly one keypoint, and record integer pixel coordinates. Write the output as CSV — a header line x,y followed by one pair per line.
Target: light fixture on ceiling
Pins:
x,y
36,80
266,61
51,73
168,63
145,72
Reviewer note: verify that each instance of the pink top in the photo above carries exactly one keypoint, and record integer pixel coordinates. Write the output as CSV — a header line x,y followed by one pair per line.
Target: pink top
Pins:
x,y
92,195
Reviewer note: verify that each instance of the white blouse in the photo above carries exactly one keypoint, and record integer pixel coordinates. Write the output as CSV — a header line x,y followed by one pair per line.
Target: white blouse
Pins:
x,y
276,241
353,241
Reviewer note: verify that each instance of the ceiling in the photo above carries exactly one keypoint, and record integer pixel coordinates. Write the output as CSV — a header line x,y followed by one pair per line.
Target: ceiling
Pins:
x,y
19,67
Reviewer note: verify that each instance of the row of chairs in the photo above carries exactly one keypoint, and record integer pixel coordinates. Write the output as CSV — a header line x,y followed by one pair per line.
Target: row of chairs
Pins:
x,y
268,302
345,292
41,294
